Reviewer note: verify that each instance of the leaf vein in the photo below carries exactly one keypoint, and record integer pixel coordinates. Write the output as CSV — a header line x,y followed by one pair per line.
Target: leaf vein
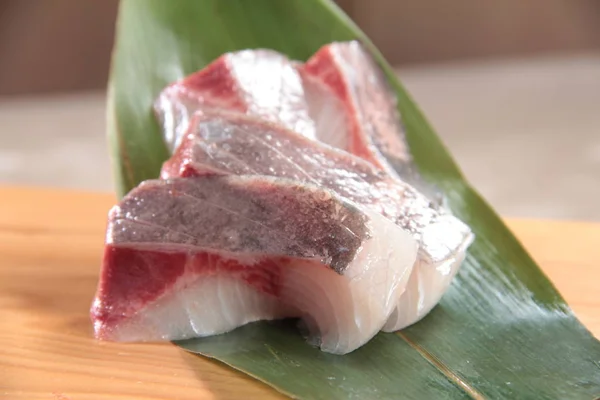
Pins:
x,y
452,376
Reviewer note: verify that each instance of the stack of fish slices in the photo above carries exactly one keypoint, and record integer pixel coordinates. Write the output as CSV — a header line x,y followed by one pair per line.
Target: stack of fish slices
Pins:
x,y
286,195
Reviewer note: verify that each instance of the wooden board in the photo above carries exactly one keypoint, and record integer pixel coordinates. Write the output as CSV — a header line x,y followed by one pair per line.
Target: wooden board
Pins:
x,y
50,248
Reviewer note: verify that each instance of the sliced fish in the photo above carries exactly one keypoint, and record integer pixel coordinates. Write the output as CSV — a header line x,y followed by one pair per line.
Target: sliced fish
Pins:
x,y
259,82
201,256
227,143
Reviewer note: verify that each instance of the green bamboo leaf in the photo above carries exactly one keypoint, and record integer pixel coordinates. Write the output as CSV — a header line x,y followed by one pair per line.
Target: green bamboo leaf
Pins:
x,y
501,332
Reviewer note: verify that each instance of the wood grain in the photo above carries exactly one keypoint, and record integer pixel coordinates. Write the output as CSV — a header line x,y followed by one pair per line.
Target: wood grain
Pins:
x,y
50,247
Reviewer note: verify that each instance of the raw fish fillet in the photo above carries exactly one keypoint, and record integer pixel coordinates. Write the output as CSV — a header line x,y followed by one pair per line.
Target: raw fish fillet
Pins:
x,y
201,256
344,78
228,143
257,82
355,110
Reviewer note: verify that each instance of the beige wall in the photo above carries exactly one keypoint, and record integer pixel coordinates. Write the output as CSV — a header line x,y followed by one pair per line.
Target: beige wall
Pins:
x,y
62,45
413,31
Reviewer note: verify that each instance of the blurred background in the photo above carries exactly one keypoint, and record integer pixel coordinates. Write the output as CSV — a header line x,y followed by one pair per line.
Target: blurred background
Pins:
x,y
512,87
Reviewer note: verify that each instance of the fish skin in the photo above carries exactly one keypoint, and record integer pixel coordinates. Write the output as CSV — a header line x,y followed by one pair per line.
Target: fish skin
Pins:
x,y
256,206
227,143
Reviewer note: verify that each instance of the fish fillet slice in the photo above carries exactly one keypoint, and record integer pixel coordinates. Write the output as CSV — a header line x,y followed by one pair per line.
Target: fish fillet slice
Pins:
x,y
201,256
345,77
225,143
355,110
257,82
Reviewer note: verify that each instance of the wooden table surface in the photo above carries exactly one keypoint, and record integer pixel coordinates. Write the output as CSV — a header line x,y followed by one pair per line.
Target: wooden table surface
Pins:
x,y
50,249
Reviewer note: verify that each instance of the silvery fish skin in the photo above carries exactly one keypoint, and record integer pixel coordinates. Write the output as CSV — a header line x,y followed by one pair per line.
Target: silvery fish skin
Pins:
x,y
202,256
228,143
259,82
220,142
